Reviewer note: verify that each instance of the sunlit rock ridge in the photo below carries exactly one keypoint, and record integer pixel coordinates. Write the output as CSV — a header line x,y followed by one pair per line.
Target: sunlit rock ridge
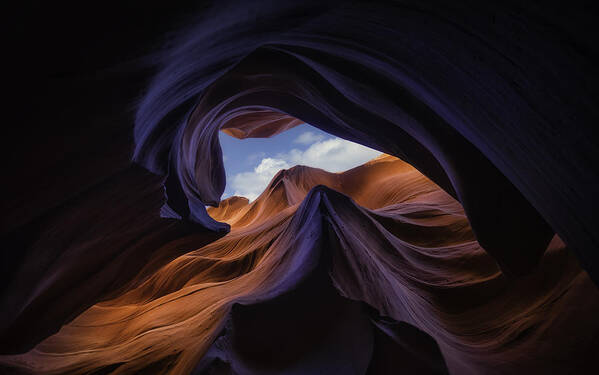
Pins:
x,y
471,247
367,271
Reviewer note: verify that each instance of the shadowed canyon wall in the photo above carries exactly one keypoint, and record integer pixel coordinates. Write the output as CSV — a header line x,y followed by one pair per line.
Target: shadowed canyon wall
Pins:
x,y
281,292
483,265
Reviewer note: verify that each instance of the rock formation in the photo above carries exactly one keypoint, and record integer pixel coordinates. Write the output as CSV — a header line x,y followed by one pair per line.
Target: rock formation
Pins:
x,y
474,253
376,271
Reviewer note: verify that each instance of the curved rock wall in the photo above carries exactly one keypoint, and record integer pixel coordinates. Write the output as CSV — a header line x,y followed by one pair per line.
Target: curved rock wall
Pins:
x,y
318,281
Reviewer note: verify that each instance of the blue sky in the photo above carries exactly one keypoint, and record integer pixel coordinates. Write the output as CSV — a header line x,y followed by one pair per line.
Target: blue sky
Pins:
x,y
251,163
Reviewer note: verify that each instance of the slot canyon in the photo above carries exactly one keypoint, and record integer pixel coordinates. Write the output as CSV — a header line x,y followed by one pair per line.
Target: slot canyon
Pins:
x,y
463,239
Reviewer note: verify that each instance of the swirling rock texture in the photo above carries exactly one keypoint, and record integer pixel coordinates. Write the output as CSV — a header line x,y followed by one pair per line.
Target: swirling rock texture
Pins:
x,y
310,280
486,265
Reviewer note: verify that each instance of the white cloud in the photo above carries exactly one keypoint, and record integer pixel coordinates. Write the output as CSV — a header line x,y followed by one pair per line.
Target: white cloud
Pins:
x,y
251,184
307,138
333,155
